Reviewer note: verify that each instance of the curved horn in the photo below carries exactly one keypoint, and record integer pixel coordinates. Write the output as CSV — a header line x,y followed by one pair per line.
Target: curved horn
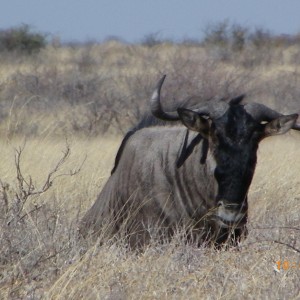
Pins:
x,y
212,108
155,104
260,112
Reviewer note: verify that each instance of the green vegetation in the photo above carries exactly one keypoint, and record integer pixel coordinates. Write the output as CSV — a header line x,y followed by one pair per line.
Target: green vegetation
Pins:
x,y
22,39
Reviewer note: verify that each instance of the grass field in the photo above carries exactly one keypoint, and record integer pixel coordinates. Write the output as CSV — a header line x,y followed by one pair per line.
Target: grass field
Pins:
x,y
166,271
56,109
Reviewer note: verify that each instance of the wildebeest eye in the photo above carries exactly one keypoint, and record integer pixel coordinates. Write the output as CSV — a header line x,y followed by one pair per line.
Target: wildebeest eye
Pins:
x,y
219,173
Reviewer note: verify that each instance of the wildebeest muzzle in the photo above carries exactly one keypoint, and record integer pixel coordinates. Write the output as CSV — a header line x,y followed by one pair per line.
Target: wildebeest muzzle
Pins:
x,y
231,214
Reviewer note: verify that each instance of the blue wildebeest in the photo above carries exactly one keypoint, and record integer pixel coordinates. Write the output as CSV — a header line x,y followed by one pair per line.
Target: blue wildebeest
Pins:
x,y
194,173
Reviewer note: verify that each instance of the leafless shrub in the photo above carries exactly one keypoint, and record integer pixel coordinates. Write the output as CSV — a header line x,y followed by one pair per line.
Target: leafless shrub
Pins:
x,y
86,61
295,56
36,239
97,88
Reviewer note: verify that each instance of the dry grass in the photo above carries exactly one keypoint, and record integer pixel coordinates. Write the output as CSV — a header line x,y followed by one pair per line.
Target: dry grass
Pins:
x,y
95,89
39,242
174,270
180,271
87,95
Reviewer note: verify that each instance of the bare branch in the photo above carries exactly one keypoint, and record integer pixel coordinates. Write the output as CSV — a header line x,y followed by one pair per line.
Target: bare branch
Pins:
x,y
49,179
27,189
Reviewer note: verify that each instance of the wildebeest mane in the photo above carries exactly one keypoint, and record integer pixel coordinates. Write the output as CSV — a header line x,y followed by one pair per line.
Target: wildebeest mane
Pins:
x,y
186,148
146,121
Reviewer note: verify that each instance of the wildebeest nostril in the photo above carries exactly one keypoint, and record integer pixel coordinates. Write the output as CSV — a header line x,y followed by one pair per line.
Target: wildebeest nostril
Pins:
x,y
232,206
220,203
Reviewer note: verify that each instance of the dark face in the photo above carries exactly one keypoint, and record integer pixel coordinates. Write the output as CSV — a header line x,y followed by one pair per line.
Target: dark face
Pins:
x,y
234,140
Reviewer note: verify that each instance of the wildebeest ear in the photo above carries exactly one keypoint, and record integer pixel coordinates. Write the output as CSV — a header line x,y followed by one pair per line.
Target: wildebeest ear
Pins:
x,y
192,120
280,125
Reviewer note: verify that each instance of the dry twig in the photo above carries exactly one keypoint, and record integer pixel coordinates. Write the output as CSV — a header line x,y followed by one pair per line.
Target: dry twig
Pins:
x,y
27,189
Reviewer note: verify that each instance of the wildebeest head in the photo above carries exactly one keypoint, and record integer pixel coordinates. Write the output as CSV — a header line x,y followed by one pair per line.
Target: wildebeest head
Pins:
x,y
232,132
